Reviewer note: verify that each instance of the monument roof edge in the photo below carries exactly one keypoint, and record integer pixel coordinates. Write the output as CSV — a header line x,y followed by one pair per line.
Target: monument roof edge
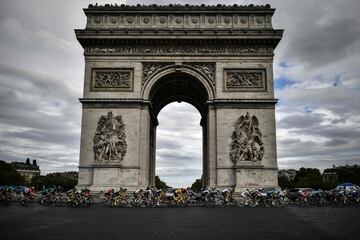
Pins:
x,y
176,8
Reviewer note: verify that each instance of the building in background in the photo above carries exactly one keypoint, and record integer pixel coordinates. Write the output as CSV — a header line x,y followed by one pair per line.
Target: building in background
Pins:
x,y
26,169
329,177
345,166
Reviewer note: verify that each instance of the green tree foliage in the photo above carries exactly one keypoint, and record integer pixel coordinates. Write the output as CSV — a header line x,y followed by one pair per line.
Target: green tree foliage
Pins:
x,y
159,184
9,176
347,174
308,177
52,180
197,185
284,182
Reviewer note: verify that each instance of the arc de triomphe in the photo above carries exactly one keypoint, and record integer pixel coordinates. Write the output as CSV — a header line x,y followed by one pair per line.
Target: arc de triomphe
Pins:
x,y
140,58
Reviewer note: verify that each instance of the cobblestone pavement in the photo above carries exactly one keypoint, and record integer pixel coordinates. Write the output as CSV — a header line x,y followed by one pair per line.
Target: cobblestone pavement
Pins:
x,y
97,222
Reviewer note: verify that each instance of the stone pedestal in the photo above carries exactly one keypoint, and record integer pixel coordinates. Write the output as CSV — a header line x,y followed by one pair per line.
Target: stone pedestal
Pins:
x,y
250,175
114,175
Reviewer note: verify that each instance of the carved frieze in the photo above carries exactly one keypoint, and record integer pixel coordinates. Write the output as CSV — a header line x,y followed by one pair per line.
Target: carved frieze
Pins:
x,y
246,140
244,80
112,80
150,68
109,142
175,50
208,69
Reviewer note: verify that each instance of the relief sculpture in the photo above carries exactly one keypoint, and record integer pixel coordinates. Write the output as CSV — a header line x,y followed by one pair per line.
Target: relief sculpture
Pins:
x,y
110,139
174,50
208,69
111,79
245,79
246,144
150,68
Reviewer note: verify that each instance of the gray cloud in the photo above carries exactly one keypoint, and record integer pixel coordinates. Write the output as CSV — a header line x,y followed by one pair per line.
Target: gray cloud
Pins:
x,y
54,136
301,121
179,145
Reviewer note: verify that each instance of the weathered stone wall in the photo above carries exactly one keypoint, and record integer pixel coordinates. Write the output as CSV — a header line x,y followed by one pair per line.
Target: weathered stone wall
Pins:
x,y
226,118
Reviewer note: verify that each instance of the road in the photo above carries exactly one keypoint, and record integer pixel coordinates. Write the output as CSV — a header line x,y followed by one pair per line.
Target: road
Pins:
x,y
97,222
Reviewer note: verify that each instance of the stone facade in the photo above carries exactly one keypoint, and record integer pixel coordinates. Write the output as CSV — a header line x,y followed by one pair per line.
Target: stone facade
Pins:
x,y
329,177
140,58
26,169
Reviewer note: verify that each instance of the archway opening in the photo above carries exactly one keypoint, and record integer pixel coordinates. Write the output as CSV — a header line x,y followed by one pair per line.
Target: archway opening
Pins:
x,y
179,145
185,117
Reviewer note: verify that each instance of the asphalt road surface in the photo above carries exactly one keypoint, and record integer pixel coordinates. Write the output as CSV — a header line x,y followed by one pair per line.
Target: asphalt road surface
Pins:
x,y
97,222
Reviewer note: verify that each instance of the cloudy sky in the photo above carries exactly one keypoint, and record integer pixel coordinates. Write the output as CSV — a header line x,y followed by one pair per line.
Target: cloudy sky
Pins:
x,y
317,74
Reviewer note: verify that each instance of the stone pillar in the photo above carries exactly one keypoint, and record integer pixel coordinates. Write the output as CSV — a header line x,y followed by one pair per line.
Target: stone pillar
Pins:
x,y
205,175
211,148
130,172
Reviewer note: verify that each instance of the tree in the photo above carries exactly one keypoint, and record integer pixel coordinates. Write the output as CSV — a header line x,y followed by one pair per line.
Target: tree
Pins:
x,y
9,175
347,174
197,185
308,177
159,184
284,182
52,180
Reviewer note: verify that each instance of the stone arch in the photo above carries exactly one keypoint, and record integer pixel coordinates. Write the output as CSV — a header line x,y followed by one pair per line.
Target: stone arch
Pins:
x,y
180,62
172,84
184,69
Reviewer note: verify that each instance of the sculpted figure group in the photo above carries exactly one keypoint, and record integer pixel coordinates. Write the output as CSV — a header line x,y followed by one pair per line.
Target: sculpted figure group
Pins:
x,y
110,139
246,144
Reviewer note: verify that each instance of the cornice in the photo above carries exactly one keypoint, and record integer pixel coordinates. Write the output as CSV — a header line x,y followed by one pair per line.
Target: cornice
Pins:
x,y
179,17
179,42
113,100
176,7
228,100
142,101
185,33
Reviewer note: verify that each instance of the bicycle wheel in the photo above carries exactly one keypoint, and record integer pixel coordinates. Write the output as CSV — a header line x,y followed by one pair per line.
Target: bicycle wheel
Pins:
x,y
268,202
279,203
22,202
241,202
89,201
252,203
232,202
7,201
300,202
115,202
143,203
58,201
